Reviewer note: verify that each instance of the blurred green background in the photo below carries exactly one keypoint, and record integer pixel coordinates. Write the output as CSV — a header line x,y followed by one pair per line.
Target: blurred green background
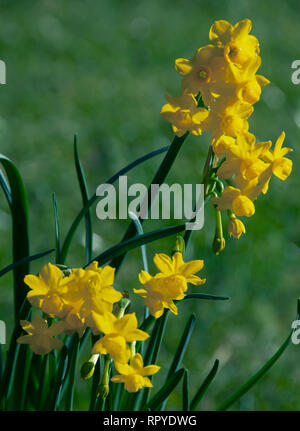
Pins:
x,y
101,69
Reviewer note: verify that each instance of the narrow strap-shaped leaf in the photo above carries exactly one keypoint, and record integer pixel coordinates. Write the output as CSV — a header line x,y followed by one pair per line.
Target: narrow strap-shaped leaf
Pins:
x,y
257,376
204,296
53,399
140,231
153,351
262,371
12,356
183,343
203,388
185,392
94,198
159,178
137,241
24,260
180,351
73,352
21,377
166,390
85,200
57,231
42,382
95,384
19,212
5,188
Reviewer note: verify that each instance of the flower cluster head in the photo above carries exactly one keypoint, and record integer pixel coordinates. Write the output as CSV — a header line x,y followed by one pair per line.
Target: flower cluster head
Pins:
x,y
82,299
223,76
169,284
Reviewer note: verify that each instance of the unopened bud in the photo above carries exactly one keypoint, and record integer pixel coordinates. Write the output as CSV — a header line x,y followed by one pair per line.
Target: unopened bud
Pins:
x,y
218,245
235,227
179,245
103,391
88,368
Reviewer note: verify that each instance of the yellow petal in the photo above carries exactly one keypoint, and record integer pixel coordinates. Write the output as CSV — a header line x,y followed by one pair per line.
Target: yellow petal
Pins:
x,y
137,362
150,370
243,206
219,28
183,66
104,323
164,263
144,277
126,324
282,168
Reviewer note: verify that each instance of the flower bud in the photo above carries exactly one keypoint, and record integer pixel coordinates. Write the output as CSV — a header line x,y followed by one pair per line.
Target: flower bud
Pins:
x,y
103,391
179,245
218,245
235,227
87,370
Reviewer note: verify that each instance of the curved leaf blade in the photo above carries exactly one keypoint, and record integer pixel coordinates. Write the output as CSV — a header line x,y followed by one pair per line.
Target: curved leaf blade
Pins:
x,y
203,388
20,230
166,390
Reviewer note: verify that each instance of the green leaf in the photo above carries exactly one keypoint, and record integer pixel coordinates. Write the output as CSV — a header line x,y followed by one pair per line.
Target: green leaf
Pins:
x,y
166,390
12,357
180,351
183,343
57,232
85,200
152,353
24,260
262,371
137,241
72,373
159,178
19,211
185,392
5,188
53,400
204,296
257,376
94,198
203,388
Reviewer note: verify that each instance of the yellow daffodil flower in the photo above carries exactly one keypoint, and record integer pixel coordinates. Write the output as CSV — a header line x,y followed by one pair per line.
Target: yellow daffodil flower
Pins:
x,y
133,374
47,290
240,48
170,283
233,198
40,336
244,158
277,165
117,333
184,115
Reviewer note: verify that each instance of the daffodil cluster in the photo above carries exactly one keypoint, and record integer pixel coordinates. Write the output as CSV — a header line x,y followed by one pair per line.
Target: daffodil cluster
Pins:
x,y
169,284
81,299
224,74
